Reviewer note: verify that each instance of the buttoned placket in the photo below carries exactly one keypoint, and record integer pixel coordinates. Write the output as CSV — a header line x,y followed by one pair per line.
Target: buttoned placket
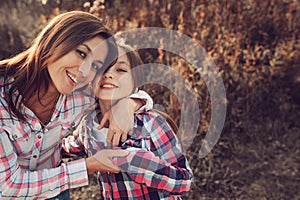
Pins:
x,y
38,140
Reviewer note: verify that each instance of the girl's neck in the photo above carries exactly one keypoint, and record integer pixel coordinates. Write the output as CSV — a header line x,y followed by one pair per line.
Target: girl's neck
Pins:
x,y
105,105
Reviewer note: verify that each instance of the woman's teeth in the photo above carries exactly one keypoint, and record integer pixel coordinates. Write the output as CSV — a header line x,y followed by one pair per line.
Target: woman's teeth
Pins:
x,y
72,78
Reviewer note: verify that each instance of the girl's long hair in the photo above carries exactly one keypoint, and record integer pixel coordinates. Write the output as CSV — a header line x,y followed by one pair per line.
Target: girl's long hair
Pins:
x,y
26,73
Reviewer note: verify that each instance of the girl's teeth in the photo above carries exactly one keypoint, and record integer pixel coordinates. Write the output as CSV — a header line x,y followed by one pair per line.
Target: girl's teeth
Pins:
x,y
108,86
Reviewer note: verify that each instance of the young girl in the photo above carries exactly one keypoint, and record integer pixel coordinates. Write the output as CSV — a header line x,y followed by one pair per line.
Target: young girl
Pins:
x,y
155,167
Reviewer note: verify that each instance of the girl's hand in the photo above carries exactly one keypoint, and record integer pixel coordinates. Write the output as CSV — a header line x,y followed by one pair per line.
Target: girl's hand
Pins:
x,y
102,161
120,120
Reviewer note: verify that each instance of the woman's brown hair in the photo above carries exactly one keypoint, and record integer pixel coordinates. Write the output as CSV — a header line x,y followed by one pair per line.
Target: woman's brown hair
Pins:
x,y
27,72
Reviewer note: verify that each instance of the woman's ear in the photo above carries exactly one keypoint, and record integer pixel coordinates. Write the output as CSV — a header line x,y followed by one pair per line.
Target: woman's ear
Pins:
x,y
90,86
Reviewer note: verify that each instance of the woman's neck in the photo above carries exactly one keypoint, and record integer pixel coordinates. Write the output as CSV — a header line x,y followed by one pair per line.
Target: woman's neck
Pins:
x,y
43,104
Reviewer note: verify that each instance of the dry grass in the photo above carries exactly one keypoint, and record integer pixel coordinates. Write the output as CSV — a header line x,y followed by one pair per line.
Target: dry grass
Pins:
x,y
255,45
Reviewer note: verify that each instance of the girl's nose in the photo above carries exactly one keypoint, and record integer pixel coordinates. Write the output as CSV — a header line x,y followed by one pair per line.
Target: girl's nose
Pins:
x,y
108,75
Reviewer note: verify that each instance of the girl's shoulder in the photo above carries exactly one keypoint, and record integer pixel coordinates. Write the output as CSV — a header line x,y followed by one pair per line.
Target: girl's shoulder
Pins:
x,y
149,118
147,115
157,118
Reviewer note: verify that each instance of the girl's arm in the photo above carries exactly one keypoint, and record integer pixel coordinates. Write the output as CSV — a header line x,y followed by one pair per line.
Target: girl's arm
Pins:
x,y
164,167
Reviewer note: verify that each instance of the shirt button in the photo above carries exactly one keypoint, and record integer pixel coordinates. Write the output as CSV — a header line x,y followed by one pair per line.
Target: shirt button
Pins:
x,y
35,156
39,137
15,136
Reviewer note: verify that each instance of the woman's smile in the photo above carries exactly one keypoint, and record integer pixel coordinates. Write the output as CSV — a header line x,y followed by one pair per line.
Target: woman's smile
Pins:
x,y
71,70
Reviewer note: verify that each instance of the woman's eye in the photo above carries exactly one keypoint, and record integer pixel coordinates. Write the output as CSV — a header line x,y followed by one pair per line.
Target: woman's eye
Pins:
x,y
81,53
95,66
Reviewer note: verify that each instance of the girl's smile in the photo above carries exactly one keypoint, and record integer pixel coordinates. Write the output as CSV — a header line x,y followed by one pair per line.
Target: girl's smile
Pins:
x,y
116,82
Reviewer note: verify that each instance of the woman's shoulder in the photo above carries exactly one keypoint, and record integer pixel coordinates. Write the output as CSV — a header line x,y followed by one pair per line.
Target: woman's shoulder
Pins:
x,y
2,79
2,89
78,100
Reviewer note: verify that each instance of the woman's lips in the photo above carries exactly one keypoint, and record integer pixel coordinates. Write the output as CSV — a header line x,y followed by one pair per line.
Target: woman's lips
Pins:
x,y
72,78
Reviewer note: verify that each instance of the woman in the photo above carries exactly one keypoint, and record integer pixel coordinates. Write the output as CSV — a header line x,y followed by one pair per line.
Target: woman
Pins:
x,y
39,107
156,167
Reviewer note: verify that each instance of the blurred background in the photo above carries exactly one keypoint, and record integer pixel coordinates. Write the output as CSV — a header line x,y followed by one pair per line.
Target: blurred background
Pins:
x,y
255,46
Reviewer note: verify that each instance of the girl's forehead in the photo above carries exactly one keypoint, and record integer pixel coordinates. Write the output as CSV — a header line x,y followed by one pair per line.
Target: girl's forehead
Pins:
x,y
122,56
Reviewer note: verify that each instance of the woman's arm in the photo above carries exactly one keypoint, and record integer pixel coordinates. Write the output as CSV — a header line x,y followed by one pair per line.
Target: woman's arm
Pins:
x,y
164,167
121,116
19,183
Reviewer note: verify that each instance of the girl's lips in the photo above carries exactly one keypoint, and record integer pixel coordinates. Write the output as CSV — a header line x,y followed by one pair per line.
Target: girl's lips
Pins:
x,y
108,85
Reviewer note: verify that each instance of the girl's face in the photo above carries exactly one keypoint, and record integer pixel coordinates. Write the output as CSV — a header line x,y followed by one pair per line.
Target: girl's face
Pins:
x,y
116,83
68,72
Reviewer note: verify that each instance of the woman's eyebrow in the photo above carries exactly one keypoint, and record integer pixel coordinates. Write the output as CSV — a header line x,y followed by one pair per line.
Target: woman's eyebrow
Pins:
x,y
87,47
99,61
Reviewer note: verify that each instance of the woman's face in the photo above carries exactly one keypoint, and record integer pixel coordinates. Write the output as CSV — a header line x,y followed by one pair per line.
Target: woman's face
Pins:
x,y
69,71
116,83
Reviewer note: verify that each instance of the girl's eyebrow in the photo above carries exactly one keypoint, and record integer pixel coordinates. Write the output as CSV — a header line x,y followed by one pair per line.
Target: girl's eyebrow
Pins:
x,y
122,62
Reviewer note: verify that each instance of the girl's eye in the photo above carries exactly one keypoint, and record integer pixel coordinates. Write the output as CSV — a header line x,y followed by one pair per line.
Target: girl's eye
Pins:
x,y
121,70
81,53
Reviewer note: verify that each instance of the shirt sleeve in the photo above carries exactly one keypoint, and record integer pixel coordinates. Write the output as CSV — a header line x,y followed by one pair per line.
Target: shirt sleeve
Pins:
x,y
73,144
164,167
86,139
17,183
147,100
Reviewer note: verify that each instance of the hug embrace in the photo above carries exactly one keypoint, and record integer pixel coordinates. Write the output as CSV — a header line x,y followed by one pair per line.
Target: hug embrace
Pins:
x,y
45,114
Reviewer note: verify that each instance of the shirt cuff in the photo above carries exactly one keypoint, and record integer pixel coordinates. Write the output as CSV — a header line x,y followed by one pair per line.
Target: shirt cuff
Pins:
x,y
77,173
144,96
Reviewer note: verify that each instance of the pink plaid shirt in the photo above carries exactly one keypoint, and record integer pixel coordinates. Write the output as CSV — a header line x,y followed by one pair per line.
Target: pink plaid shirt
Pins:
x,y
30,160
30,156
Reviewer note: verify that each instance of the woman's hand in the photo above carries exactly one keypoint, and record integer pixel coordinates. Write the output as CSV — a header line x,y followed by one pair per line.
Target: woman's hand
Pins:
x,y
102,160
120,120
